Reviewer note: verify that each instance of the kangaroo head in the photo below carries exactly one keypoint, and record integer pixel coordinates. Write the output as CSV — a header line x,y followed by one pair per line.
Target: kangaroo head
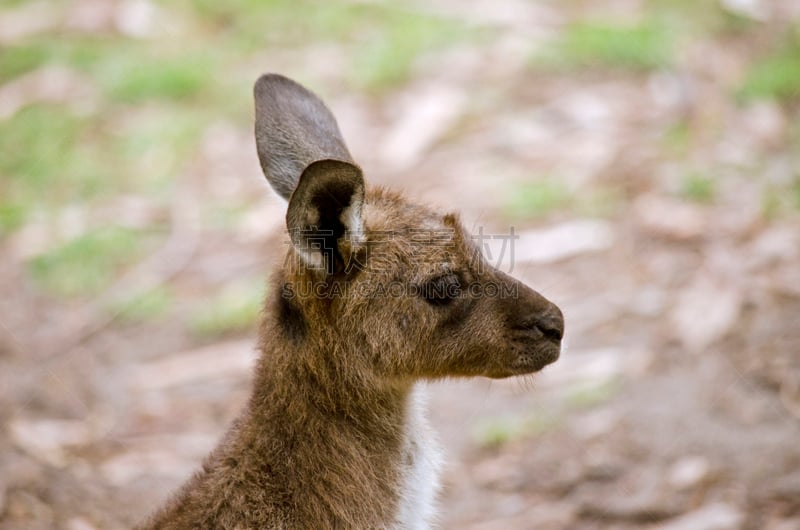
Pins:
x,y
396,289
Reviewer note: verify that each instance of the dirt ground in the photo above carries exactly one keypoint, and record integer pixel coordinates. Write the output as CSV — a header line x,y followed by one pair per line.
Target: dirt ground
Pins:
x,y
670,239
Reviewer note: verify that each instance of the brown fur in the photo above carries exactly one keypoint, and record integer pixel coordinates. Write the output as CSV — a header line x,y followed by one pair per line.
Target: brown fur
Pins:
x,y
321,442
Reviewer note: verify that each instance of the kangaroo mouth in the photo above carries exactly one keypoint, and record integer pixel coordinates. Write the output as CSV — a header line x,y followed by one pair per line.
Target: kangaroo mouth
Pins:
x,y
527,357
546,352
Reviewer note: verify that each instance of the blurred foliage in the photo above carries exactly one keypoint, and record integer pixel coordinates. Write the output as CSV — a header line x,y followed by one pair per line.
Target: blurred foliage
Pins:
x,y
51,156
537,198
43,148
17,60
235,309
643,46
157,95
12,216
677,138
592,394
390,58
175,79
771,202
542,197
88,264
698,187
54,155
384,39
776,200
493,433
777,75
796,191
700,17
144,306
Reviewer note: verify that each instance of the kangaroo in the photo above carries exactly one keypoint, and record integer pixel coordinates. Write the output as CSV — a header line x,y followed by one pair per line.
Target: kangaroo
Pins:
x,y
376,294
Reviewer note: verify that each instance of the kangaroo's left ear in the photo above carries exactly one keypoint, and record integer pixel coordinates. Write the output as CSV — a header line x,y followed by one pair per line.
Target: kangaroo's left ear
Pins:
x,y
293,129
325,218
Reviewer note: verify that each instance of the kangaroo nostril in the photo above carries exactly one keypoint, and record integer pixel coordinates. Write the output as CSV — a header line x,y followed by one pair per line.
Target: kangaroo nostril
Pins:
x,y
551,327
549,323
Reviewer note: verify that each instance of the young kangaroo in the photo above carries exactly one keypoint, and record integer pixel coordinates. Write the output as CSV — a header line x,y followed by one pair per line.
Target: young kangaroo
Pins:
x,y
376,294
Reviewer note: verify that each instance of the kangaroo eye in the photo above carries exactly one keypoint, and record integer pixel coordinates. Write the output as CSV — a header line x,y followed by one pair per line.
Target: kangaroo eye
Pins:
x,y
442,290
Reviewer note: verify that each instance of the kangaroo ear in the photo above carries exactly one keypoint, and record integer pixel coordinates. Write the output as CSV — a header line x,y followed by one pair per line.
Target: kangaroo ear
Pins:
x,y
293,129
324,218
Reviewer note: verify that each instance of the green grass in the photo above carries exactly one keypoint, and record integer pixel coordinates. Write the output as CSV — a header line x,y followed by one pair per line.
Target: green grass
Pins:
x,y
10,4
700,18
779,201
236,309
39,144
76,51
540,198
698,187
53,156
153,105
50,157
12,216
588,395
280,22
677,138
155,97
18,60
224,216
796,191
171,79
734,23
389,57
154,144
596,44
127,71
771,203
144,306
776,76
87,264
537,198
495,432
381,41
600,202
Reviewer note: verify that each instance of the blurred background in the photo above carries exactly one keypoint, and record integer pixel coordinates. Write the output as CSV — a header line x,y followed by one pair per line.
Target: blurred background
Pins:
x,y
645,151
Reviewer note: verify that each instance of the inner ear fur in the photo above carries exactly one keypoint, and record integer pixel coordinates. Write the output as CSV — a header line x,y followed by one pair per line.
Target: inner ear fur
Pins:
x,y
325,214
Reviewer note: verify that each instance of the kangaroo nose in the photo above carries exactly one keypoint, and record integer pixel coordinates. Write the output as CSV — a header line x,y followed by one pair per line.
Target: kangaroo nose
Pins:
x,y
551,324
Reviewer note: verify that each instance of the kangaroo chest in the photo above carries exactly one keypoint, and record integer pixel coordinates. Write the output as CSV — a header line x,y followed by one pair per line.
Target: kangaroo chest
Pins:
x,y
421,464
